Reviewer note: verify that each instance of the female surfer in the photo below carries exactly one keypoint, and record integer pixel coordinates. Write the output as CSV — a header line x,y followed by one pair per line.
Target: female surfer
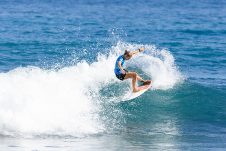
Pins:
x,y
122,74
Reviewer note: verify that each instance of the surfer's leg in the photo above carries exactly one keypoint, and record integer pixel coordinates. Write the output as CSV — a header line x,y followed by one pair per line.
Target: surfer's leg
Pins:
x,y
133,76
142,80
139,78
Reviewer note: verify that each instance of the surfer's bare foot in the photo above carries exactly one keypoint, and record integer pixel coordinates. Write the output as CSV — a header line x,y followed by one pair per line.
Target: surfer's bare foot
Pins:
x,y
146,82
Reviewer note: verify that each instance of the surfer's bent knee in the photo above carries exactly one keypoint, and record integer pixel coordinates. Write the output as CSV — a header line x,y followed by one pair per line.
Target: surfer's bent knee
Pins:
x,y
134,74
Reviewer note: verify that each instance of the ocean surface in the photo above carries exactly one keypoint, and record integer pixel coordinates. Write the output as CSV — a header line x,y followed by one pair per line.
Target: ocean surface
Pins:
x,y
58,91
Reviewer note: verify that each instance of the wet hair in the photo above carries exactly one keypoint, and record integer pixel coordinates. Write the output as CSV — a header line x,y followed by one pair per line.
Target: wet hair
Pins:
x,y
126,53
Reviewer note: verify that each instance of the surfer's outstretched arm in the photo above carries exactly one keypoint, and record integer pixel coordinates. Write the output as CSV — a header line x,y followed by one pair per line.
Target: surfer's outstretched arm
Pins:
x,y
137,51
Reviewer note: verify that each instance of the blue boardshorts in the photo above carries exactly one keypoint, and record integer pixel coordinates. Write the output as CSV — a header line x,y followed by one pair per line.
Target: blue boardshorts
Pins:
x,y
121,76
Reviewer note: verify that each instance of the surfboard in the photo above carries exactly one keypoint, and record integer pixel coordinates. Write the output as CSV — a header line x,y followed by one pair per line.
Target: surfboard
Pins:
x,y
142,89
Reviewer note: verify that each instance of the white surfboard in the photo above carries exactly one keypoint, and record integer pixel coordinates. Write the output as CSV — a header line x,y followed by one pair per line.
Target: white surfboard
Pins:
x,y
133,95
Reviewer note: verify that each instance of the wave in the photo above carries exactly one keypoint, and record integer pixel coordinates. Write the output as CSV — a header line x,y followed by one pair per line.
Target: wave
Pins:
x,y
72,100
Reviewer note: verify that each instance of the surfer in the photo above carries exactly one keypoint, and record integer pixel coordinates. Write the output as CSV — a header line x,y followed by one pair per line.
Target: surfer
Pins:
x,y
122,74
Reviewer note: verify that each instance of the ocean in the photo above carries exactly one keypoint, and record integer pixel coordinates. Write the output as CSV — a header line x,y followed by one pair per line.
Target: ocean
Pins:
x,y
58,91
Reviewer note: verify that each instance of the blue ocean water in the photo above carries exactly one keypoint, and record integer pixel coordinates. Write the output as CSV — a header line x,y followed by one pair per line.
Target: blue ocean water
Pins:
x,y
58,90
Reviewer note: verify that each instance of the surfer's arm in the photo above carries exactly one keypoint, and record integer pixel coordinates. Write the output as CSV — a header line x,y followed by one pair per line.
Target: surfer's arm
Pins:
x,y
120,67
137,51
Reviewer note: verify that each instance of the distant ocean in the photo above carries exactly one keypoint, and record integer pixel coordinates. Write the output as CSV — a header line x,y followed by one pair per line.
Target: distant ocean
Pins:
x,y
58,90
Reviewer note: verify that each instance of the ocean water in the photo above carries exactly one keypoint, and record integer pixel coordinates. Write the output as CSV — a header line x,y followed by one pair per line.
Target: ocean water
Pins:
x,y
58,90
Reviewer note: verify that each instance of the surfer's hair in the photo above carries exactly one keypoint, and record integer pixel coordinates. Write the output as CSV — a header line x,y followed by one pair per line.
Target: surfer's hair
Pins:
x,y
126,53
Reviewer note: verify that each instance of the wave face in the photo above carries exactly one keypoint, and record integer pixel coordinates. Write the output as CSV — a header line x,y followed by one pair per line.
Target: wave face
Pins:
x,y
76,100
